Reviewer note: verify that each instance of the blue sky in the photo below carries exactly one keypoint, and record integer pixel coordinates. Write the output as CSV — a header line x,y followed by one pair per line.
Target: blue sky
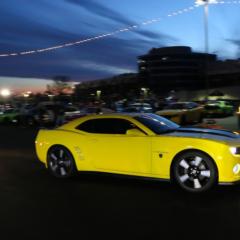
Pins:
x,y
34,24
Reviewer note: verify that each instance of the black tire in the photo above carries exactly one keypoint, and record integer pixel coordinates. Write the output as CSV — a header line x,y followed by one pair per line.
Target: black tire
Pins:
x,y
60,162
194,171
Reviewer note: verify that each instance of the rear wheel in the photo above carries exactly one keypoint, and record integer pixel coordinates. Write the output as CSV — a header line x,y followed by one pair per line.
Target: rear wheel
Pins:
x,y
195,171
60,162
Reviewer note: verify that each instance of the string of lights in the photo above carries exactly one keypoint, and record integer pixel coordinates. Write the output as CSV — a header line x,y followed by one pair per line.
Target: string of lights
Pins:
x,y
129,28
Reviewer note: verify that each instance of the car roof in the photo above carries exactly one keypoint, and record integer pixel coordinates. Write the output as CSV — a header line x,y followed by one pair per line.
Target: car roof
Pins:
x,y
127,116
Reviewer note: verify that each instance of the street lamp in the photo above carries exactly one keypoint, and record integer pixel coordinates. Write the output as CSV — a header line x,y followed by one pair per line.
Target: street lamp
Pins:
x,y
5,92
98,94
27,94
145,92
206,6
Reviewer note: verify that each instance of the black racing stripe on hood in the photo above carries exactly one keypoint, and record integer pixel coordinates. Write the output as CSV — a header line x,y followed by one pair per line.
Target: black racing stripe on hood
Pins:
x,y
223,133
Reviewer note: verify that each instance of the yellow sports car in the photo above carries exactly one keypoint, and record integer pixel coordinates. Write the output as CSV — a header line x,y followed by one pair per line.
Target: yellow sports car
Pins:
x,y
182,112
144,145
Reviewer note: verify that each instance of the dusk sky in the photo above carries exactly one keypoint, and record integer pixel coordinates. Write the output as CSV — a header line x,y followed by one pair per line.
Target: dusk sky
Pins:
x,y
35,24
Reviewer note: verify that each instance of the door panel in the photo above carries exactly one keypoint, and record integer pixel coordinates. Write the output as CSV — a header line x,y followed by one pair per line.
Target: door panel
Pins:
x,y
121,153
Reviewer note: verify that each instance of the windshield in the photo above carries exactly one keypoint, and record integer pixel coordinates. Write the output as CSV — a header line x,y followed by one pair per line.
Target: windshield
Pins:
x,y
157,124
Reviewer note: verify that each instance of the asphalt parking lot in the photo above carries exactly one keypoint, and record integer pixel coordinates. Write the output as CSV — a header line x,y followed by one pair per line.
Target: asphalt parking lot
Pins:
x,y
35,205
229,123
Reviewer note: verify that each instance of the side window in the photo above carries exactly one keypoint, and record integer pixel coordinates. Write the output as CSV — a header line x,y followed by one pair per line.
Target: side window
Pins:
x,y
106,126
86,126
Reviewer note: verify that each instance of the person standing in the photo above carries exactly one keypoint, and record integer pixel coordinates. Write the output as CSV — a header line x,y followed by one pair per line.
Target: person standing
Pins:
x,y
59,115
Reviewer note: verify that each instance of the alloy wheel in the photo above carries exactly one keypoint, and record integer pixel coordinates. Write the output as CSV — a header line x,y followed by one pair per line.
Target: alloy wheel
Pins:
x,y
60,162
195,172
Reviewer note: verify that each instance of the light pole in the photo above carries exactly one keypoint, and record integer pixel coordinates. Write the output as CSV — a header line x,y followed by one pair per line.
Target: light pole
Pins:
x,y
145,92
206,37
98,94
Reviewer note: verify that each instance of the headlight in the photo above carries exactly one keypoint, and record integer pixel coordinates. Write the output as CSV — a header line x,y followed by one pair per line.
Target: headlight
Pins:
x,y
235,150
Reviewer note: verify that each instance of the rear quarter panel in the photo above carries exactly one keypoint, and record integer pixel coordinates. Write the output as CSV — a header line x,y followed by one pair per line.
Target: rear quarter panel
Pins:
x,y
75,142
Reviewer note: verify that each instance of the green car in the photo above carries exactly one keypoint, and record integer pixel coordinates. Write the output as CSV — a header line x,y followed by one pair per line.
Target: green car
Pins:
x,y
9,116
218,108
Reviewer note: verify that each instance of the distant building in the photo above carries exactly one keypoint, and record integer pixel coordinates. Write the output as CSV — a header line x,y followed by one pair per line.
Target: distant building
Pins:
x,y
114,88
164,69
174,67
224,73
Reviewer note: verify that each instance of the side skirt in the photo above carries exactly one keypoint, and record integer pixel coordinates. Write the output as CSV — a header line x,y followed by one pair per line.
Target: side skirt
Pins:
x,y
125,176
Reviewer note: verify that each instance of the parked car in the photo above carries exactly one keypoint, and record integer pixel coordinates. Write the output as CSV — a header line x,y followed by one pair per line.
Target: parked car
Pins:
x,y
42,114
145,145
218,108
9,116
138,108
88,111
183,112
71,112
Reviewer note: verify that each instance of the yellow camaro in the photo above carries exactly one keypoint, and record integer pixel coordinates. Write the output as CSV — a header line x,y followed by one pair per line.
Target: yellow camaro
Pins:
x,y
144,145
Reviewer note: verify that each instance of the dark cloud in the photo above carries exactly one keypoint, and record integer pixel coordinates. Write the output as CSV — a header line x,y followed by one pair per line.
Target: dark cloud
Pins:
x,y
236,42
105,12
92,60
100,10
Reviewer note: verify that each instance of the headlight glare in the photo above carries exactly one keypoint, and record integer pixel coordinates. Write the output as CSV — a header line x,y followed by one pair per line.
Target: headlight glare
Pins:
x,y
236,168
235,150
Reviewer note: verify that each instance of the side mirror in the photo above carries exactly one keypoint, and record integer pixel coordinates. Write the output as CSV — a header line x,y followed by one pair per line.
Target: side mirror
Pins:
x,y
135,133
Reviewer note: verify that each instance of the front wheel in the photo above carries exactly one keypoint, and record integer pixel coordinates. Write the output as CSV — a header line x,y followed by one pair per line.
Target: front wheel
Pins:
x,y
194,171
60,162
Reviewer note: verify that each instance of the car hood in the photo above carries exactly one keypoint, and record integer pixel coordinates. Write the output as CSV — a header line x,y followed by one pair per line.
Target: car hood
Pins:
x,y
205,133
